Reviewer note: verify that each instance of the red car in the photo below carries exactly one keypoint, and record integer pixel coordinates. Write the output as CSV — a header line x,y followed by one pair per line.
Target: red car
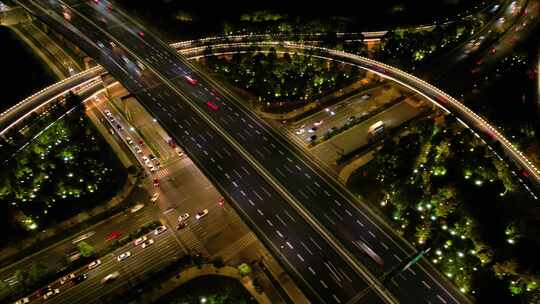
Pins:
x,y
190,80
156,182
141,143
113,235
212,105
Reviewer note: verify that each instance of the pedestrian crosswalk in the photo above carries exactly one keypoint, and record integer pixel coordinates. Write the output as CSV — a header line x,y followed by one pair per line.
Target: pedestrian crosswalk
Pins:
x,y
192,242
234,248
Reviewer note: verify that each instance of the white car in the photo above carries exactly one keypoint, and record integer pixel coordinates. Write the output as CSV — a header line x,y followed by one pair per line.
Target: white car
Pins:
x,y
94,264
107,112
82,237
110,277
201,214
129,140
124,256
50,293
312,130
136,208
23,301
66,278
154,197
318,123
160,229
138,241
183,217
147,243
138,150
148,163
300,131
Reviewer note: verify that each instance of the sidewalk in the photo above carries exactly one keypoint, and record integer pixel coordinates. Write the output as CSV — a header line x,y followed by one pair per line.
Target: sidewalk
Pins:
x,y
206,269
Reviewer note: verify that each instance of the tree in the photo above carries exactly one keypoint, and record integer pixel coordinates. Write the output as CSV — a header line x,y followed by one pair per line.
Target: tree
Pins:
x,y
244,269
37,272
505,268
85,249
132,170
218,262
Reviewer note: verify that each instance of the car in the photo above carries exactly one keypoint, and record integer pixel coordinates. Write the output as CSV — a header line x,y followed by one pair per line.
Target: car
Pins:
x,y
50,293
145,158
119,126
368,251
82,237
318,123
73,256
154,197
123,256
140,240
110,277
351,118
141,143
332,129
312,138
212,105
147,243
141,33
107,112
312,130
183,217
156,182
138,150
23,301
365,96
148,163
151,156
94,264
129,140
201,214
181,225
154,169
190,80
100,44
160,230
300,131
81,277
66,278
493,51
136,208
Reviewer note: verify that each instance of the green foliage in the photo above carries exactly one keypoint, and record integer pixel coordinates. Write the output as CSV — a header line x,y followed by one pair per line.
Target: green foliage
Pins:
x,y
288,82
244,269
85,249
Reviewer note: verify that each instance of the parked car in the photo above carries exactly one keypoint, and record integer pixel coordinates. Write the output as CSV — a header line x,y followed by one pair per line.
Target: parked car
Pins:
x,y
123,256
160,230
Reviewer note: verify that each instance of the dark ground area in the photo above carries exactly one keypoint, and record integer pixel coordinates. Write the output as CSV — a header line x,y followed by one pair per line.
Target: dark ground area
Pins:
x,y
24,73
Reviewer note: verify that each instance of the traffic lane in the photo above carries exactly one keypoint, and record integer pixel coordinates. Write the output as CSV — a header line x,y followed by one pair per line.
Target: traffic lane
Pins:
x,y
55,257
192,90
348,241
141,261
253,213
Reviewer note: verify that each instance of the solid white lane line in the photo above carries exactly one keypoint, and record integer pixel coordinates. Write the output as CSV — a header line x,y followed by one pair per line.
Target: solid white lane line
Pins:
x,y
426,284
384,245
315,243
